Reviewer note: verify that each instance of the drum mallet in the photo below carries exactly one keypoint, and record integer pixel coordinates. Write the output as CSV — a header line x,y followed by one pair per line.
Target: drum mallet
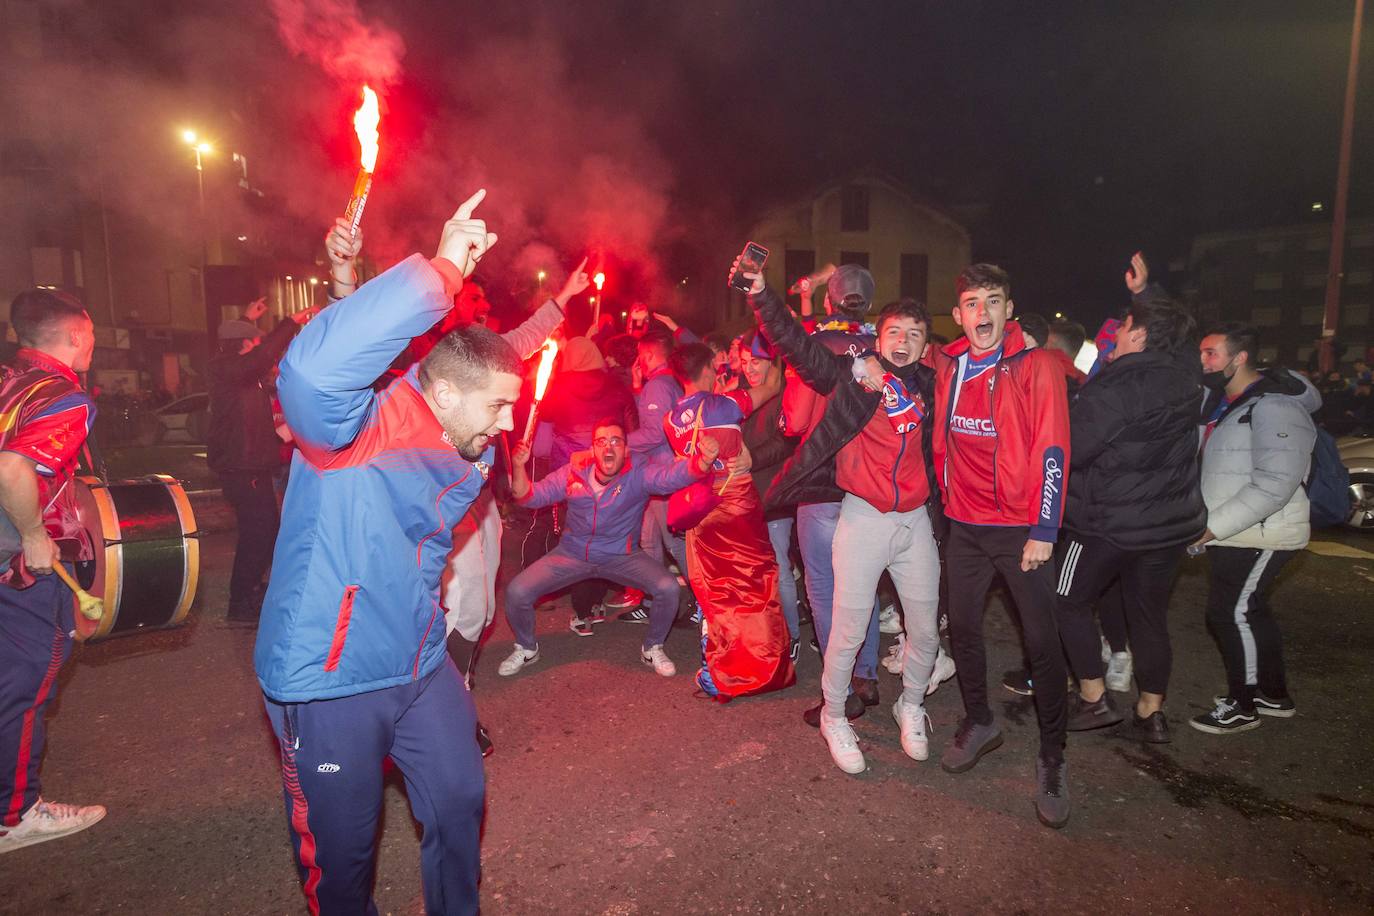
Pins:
x,y
92,608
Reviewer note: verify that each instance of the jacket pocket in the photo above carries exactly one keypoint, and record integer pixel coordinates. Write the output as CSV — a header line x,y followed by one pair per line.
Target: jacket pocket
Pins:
x,y
336,646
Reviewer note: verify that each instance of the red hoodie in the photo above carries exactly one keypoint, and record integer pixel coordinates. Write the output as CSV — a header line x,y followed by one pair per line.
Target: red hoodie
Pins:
x,y
1027,439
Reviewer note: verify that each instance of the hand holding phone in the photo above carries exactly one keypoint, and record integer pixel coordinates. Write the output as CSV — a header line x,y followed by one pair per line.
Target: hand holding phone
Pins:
x,y
751,260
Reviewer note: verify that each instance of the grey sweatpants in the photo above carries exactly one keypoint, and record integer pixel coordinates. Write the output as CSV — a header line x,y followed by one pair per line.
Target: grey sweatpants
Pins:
x,y
867,542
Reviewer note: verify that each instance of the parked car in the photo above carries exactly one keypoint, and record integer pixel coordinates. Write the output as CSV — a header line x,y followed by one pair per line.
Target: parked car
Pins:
x,y
1357,452
184,420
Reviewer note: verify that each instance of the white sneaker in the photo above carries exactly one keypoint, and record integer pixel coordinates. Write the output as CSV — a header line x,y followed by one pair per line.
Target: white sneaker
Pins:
x,y
1106,651
1119,672
517,660
48,821
656,658
943,671
843,744
893,660
889,621
913,722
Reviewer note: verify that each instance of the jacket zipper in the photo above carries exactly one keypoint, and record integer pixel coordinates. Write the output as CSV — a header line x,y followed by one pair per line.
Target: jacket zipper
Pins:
x,y
997,438
896,493
596,508
336,646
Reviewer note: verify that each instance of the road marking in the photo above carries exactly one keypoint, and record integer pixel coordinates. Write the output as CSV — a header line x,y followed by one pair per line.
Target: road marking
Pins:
x,y
1337,549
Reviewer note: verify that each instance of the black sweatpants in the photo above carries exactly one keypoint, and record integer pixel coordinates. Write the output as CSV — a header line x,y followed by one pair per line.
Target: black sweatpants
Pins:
x,y
254,500
1242,623
973,554
1086,567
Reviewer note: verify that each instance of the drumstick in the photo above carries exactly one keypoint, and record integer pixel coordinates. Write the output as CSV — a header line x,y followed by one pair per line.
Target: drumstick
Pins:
x,y
92,608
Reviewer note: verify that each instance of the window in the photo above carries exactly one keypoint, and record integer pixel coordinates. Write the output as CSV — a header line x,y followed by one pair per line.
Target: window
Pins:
x,y
854,208
797,263
1267,317
1358,278
1355,314
1268,281
1314,280
1311,314
855,257
915,273
1362,240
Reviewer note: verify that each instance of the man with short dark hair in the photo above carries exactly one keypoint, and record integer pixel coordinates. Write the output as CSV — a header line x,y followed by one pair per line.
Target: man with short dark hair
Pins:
x,y
45,417
244,450
605,497
1257,440
875,446
1133,505
1001,454
351,654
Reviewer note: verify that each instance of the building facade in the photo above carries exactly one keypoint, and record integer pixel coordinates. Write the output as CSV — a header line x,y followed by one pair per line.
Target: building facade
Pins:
x,y
1275,279
912,249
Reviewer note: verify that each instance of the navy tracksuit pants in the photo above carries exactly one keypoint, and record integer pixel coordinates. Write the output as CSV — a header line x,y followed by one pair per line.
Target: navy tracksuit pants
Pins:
x,y
332,753
35,640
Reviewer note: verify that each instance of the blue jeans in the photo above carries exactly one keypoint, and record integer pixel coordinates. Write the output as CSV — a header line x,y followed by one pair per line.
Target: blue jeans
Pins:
x,y
815,534
560,568
780,534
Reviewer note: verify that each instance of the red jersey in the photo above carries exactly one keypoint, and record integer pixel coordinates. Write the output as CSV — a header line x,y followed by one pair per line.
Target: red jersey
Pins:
x,y
972,442
717,414
45,416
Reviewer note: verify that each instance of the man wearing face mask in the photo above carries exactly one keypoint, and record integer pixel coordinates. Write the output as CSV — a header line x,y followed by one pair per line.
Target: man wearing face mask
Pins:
x,y
605,498
876,448
351,654
1257,439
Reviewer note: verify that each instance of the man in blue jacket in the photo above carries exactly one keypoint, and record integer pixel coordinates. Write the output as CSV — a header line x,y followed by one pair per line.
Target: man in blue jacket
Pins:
x,y
351,653
606,499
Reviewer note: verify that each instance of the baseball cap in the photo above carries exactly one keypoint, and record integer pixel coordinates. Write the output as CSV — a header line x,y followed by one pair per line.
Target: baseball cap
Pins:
x,y
851,280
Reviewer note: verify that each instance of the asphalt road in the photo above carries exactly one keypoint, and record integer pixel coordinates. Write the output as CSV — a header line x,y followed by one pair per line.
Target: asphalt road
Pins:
x,y
614,791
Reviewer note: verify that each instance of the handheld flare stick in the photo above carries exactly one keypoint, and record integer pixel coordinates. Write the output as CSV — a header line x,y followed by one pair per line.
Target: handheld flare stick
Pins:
x,y
599,280
541,384
365,121
92,608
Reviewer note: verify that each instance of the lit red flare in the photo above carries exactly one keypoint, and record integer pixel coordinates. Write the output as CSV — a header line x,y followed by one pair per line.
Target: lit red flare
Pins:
x,y
365,121
541,383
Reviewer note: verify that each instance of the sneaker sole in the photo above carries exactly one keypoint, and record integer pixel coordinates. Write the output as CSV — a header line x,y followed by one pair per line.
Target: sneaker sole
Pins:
x,y
9,845
1268,711
1224,730
983,751
577,632
1020,691
650,664
626,618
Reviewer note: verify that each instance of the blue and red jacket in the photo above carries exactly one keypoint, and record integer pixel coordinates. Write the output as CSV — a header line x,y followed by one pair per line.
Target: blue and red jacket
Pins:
x,y
376,488
605,525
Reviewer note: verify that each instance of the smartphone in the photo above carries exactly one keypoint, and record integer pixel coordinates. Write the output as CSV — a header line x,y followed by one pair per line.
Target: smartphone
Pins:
x,y
752,252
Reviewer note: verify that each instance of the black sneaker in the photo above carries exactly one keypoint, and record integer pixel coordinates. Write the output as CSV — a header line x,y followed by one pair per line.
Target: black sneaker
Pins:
x,y
793,648
853,709
1052,793
1085,716
1153,729
1268,706
1227,718
484,741
815,646
638,615
597,614
1018,681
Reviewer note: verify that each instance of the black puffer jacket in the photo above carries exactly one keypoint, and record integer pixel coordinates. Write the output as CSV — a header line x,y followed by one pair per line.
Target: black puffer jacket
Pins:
x,y
241,436
1134,445
809,475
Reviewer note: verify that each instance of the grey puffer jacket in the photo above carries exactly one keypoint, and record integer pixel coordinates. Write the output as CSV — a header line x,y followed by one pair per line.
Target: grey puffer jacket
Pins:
x,y
1255,462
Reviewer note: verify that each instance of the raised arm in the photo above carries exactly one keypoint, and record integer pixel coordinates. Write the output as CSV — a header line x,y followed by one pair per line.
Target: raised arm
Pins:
x,y
534,330
327,373
814,364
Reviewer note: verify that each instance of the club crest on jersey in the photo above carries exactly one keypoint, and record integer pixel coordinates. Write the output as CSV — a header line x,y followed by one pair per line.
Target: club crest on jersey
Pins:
x,y
482,468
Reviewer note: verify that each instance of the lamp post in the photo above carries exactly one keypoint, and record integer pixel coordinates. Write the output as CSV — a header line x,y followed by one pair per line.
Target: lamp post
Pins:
x,y
201,149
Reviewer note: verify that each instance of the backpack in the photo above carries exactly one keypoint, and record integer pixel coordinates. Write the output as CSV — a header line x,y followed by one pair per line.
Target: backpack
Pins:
x,y
1328,484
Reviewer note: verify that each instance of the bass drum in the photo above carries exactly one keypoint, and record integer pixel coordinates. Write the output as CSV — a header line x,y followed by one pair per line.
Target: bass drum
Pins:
x,y
147,552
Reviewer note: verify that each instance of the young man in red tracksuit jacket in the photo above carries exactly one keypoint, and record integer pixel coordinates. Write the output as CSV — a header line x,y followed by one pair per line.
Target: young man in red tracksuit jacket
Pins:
x,y
1001,454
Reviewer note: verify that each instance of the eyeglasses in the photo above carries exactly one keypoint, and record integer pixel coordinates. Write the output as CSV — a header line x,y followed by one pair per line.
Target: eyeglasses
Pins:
x,y
603,441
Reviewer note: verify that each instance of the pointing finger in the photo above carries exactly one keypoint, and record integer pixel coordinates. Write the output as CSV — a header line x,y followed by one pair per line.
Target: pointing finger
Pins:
x,y
465,209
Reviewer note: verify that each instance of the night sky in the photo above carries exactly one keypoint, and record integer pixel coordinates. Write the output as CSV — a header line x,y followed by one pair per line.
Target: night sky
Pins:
x,y
1063,134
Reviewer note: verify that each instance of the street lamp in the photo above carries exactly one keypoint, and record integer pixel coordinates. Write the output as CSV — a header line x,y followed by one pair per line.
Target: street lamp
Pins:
x,y
201,149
